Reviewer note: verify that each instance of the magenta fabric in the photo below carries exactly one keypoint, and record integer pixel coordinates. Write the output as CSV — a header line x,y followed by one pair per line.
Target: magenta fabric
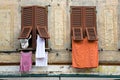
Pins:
x,y
25,61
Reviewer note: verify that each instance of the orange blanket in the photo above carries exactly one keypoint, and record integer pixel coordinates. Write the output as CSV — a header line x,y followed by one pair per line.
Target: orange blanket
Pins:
x,y
84,54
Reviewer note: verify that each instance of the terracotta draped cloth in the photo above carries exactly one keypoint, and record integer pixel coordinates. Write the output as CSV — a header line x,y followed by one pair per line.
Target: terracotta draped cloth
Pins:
x,y
84,54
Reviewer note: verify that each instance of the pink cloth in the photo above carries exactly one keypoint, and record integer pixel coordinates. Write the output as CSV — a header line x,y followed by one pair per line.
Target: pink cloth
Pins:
x,y
25,61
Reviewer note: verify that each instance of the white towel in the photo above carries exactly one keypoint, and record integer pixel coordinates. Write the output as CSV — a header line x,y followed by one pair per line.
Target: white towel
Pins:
x,y
41,55
40,49
42,61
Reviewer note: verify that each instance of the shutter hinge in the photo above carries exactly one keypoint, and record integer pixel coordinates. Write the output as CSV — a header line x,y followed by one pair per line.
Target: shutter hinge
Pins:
x,y
70,10
46,9
21,11
95,11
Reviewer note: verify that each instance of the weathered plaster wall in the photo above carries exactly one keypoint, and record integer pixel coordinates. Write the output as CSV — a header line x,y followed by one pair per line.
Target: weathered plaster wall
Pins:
x,y
9,25
59,22
107,24
108,15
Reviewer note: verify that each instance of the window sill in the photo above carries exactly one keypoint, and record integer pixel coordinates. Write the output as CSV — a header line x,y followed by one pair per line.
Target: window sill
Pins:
x,y
31,49
70,49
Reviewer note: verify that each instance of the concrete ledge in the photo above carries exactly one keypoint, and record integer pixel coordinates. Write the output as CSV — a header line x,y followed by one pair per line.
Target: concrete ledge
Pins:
x,y
61,70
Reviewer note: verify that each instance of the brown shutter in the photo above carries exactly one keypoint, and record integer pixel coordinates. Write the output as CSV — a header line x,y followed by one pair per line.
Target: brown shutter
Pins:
x,y
27,19
77,33
27,16
43,32
76,16
41,16
76,21
91,33
25,32
90,22
90,16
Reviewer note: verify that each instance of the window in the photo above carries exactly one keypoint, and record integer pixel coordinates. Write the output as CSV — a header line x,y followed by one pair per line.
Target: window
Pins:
x,y
34,17
83,22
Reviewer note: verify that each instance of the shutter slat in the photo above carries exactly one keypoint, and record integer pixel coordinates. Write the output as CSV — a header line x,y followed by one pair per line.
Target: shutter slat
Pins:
x,y
91,33
77,33
25,32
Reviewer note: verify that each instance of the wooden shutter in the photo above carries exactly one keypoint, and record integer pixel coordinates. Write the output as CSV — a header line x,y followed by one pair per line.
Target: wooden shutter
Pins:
x,y
41,16
27,19
76,16
25,32
27,16
77,33
91,33
85,19
90,22
43,32
76,21
90,16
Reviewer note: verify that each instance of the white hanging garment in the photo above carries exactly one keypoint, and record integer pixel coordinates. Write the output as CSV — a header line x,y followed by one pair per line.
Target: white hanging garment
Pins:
x,y
41,55
40,49
42,61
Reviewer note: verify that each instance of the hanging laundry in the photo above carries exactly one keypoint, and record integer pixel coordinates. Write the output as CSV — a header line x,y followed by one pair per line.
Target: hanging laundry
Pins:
x,y
25,61
42,61
84,54
41,55
40,49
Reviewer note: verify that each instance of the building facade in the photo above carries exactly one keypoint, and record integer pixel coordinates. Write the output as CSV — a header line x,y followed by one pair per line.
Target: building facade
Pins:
x,y
59,58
